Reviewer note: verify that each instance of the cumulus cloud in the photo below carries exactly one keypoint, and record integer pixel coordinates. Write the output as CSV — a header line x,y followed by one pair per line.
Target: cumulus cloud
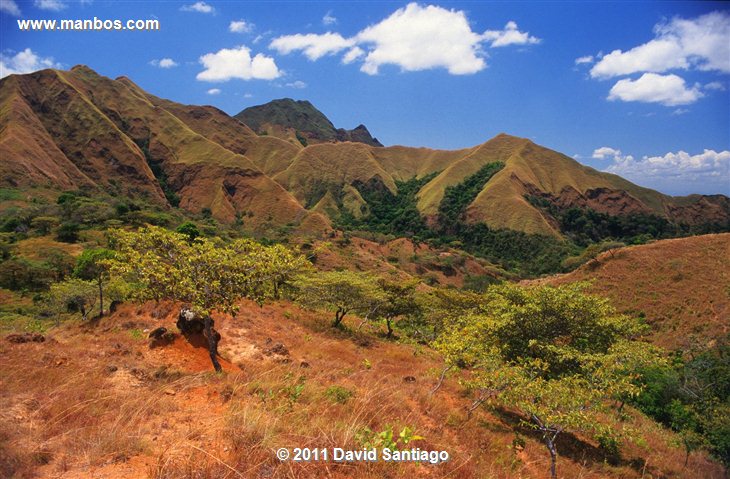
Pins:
x,y
607,153
200,7
164,63
240,26
297,84
229,63
510,35
702,43
669,90
314,46
10,7
54,5
214,91
328,19
413,38
709,170
24,62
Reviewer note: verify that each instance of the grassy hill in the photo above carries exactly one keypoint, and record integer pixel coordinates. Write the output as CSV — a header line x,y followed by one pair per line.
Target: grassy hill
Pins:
x,y
680,286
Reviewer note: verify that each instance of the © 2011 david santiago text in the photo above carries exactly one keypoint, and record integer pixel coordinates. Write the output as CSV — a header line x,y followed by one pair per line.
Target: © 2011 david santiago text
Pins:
x,y
338,454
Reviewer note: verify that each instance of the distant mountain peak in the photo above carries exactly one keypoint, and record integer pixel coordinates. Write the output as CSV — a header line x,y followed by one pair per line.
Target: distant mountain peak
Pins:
x,y
300,120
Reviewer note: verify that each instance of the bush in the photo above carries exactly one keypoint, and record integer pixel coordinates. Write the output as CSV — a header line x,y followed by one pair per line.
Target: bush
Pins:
x,y
338,394
68,232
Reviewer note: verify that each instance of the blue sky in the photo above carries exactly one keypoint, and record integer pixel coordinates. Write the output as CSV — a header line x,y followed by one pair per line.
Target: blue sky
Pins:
x,y
639,89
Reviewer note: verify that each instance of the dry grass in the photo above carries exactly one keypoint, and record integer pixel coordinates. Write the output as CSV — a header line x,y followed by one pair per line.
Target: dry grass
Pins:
x,y
162,414
681,286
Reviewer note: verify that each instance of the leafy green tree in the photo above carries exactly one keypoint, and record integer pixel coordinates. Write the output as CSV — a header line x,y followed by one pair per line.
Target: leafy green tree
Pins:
x,y
209,276
555,354
92,265
189,229
68,232
398,300
343,292
73,294
44,224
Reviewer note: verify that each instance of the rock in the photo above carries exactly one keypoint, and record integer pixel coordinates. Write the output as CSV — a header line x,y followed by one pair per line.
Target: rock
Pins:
x,y
170,392
111,369
409,379
157,333
277,348
19,338
304,365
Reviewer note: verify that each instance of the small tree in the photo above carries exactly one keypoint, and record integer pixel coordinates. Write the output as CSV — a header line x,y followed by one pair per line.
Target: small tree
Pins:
x,y
209,276
555,354
343,292
92,265
73,294
399,299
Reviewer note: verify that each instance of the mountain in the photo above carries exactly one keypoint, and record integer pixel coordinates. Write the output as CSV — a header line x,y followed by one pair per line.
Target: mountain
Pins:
x,y
300,121
76,129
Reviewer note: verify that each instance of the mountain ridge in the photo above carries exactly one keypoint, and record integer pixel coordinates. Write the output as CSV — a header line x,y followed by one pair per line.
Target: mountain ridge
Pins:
x,y
77,129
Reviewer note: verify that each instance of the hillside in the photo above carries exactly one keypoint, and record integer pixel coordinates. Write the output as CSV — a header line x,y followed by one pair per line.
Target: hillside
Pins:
x,y
292,120
138,409
680,286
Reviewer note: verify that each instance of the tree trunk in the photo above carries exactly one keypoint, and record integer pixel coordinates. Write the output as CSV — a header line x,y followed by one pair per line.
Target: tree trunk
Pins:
x,y
339,316
553,457
83,312
212,343
390,327
101,297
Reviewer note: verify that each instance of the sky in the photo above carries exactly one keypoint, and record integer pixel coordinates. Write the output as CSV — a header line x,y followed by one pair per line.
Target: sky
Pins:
x,y
640,89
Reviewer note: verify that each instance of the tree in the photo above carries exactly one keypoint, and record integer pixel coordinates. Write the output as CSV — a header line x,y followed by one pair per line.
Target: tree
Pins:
x,y
189,229
399,299
44,224
207,275
343,292
556,355
73,294
92,265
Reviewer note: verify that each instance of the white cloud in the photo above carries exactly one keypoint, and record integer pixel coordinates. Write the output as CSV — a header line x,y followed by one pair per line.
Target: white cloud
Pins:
x,y
715,85
352,55
164,63
24,62
54,5
702,43
421,38
669,90
707,170
10,7
413,38
230,63
297,84
200,7
240,26
585,59
248,95
313,45
680,111
214,91
328,19
606,153
509,36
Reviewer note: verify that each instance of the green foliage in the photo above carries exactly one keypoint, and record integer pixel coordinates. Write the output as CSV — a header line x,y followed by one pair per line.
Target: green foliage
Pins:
x,y
68,232
556,354
386,439
590,253
93,265
73,295
209,276
693,398
301,138
20,274
189,229
398,299
452,208
338,394
390,214
343,292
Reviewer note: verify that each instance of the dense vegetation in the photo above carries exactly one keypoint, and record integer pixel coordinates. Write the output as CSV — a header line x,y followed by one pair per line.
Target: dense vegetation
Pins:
x,y
398,215
585,225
